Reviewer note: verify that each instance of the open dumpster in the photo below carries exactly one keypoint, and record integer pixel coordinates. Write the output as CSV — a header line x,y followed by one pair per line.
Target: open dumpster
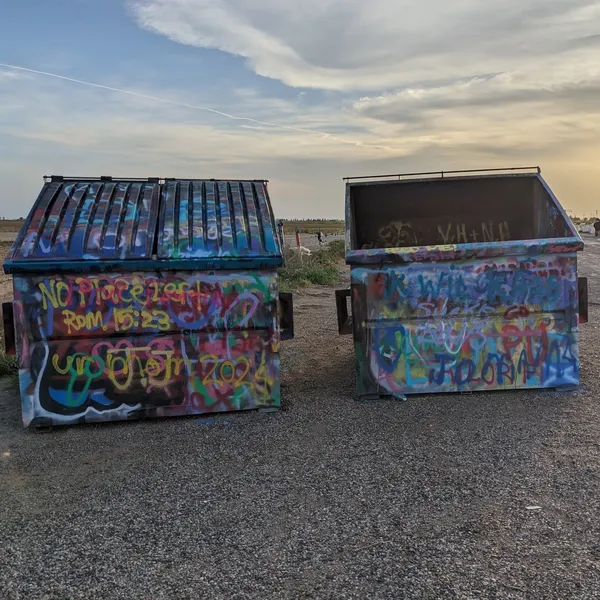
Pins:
x,y
461,281
146,298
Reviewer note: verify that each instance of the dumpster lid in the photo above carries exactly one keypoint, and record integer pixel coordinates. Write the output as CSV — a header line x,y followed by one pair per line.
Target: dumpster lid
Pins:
x,y
101,224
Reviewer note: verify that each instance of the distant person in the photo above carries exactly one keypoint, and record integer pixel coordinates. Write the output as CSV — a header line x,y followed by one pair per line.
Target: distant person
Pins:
x,y
297,237
320,238
597,227
280,231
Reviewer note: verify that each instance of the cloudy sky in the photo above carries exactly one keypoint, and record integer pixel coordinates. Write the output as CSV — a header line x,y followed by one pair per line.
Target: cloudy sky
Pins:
x,y
301,93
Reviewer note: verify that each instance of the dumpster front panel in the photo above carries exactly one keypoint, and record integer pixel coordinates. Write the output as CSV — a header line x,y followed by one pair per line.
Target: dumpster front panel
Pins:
x,y
107,304
507,322
132,345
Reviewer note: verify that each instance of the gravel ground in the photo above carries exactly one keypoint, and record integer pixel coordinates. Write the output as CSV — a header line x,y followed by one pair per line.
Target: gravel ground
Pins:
x,y
329,498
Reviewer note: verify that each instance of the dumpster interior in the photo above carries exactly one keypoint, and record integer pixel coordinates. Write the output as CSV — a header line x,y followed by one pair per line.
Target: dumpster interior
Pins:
x,y
400,214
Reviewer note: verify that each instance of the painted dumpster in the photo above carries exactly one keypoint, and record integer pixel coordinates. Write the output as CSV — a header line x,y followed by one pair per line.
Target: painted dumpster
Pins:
x,y
147,298
461,281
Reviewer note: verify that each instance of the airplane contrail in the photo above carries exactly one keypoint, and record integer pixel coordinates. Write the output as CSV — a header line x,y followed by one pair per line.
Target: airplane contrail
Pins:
x,y
184,104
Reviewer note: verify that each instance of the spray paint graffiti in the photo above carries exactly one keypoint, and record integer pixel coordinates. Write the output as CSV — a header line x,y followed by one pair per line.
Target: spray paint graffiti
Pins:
x,y
476,325
117,346
398,234
404,234
136,303
486,232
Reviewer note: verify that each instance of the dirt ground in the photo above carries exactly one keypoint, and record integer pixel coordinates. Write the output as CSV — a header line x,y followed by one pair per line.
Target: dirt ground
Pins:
x,y
328,498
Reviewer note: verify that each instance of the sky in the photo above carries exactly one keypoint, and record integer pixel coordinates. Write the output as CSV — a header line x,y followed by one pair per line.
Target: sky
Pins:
x,y
299,93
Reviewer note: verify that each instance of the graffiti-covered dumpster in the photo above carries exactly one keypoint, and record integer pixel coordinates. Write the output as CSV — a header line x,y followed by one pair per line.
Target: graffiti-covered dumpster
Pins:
x,y
147,298
460,282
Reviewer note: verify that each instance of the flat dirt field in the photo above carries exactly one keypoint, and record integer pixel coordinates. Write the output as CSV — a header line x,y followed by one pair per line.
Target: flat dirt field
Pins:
x,y
328,498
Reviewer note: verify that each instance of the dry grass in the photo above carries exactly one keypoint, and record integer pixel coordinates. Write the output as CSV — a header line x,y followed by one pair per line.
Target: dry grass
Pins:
x,y
313,226
321,268
11,225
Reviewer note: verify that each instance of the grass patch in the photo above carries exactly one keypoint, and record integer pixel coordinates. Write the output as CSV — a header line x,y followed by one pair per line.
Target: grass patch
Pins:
x,y
313,226
291,278
11,224
321,268
8,366
337,249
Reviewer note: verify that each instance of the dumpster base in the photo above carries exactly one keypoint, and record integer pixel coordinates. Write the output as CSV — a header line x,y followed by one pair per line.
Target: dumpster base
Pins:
x,y
46,425
41,425
565,389
371,397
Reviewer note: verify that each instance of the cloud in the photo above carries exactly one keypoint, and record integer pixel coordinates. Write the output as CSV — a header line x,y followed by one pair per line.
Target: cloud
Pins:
x,y
15,71
9,76
505,91
381,44
444,85
538,111
254,103
57,126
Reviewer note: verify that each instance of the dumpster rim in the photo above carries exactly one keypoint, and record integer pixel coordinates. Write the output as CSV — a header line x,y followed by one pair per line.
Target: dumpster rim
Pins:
x,y
215,263
473,250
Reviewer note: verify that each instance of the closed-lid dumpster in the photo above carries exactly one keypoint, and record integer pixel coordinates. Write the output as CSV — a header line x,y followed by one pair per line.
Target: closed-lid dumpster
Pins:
x,y
147,298
461,281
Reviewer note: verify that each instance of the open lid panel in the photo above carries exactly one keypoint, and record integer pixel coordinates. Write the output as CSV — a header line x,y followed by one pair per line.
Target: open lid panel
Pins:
x,y
456,216
126,224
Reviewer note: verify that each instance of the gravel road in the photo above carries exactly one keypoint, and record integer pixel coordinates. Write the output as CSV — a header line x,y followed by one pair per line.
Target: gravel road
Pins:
x,y
328,498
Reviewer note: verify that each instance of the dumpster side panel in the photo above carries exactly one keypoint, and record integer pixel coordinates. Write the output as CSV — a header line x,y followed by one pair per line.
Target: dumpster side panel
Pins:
x,y
90,350
509,322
